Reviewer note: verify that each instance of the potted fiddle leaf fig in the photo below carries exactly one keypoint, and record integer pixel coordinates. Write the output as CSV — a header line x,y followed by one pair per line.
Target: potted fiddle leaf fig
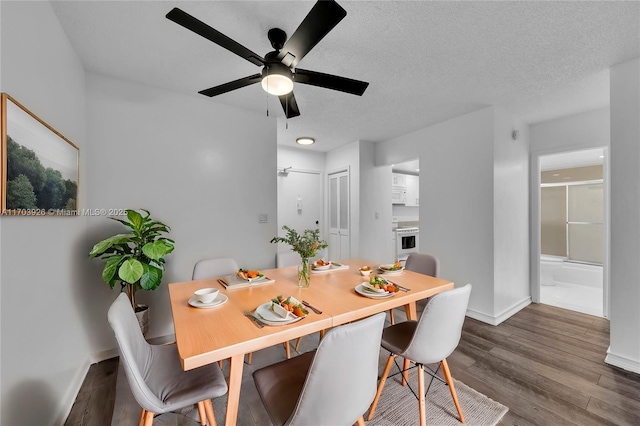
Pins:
x,y
135,259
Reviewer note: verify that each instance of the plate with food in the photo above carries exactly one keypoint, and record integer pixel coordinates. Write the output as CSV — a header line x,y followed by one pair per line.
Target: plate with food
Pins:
x,y
281,310
391,268
321,265
249,275
377,287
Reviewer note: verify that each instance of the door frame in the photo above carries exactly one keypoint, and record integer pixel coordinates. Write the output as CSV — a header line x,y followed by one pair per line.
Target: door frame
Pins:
x,y
344,169
535,228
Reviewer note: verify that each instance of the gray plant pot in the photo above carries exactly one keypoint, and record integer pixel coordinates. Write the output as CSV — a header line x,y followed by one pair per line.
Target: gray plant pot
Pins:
x,y
142,313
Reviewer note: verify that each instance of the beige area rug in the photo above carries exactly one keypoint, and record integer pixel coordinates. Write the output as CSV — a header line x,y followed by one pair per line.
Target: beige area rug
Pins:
x,y
399,407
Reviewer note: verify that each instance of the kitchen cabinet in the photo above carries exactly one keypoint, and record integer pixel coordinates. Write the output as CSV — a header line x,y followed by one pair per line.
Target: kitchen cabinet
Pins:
x,y
412,194
398,180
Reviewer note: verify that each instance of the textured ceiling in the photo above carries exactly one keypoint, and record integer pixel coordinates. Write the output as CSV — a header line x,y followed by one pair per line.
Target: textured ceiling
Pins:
x,y
426,61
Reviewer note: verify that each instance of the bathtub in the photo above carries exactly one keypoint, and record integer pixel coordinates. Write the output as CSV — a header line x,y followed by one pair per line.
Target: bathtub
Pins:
x,y
548,267
556,270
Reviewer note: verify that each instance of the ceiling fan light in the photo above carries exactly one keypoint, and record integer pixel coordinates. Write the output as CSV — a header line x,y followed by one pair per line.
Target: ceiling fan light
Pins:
x,y
277,84
305,140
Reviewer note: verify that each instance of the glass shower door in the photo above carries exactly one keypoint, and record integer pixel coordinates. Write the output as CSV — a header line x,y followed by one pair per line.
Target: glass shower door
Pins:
x,y
585,218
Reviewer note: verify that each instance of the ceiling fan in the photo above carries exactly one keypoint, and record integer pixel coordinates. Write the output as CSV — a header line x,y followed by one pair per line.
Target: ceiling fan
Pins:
x,y
279,70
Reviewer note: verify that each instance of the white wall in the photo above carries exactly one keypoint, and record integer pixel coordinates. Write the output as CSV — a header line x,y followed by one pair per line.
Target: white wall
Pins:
x,y
343,158
300,159
572,133
510,215
204,169
624,351
375,198
45,349
456,198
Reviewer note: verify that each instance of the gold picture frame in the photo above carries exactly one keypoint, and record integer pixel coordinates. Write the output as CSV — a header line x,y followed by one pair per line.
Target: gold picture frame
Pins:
x,y
39,166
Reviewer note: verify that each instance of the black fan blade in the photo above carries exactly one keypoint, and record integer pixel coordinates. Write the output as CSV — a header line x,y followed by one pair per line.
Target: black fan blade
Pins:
x,y
181,17
343,84
289,105
319,21
232,85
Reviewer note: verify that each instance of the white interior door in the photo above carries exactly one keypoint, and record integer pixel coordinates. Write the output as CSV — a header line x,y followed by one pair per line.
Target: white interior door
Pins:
x,y
299,201
339,241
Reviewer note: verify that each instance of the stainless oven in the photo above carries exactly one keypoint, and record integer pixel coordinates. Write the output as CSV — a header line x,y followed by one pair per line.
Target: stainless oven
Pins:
x,y
406,242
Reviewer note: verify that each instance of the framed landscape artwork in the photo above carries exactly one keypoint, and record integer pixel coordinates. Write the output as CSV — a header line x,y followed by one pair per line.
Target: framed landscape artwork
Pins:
x,y
39,165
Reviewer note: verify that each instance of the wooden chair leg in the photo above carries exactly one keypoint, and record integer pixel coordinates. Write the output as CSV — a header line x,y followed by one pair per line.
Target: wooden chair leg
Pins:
x,y
208,406
143,412
361,421
452,389
405,375
383,379
249,357
421,396
148,418
391,319
298,343
201,413
322,333
287,349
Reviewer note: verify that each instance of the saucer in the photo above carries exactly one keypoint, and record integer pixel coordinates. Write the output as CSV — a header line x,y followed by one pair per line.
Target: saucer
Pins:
x,y
219,300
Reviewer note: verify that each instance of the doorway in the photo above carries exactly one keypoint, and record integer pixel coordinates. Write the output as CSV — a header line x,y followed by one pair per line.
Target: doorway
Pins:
x,y
339,230
573,231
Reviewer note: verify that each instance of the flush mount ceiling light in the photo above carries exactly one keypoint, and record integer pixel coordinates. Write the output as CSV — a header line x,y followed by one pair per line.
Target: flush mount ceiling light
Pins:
x,y
305,141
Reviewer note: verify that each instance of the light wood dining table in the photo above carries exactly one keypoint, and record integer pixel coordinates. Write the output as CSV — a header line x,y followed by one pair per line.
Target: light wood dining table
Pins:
x,y
205,336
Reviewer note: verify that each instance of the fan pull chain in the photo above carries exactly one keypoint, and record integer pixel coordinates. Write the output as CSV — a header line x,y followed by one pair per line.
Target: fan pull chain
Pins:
x,y
286,125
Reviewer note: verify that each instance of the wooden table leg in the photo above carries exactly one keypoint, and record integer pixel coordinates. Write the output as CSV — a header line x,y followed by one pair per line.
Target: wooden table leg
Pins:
x,y
411,311
235,380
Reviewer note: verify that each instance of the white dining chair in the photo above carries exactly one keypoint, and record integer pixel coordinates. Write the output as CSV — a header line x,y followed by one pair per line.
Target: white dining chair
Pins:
x,y
429,340
422,263
332,385
155,374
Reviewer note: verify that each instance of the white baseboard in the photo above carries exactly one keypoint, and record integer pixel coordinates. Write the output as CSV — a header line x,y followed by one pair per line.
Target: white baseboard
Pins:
x,y
103,355
503,316
69,398
622,362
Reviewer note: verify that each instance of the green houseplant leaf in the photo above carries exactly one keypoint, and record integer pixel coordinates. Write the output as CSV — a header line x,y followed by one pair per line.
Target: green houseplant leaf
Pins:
x,y
135,259
156,250
130,271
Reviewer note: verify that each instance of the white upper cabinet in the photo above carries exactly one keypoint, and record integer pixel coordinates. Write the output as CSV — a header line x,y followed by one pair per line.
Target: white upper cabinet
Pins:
x,y
412,196
398,179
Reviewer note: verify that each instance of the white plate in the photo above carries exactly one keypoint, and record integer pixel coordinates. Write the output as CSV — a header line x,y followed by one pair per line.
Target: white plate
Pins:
x,y
219,300
360,290
276,323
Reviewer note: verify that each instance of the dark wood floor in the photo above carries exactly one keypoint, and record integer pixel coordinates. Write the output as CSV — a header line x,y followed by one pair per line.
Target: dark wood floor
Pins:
x,y
545,363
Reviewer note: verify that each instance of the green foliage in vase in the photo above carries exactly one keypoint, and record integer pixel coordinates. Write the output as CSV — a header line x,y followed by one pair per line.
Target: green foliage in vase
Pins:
x,y
306,244
135,259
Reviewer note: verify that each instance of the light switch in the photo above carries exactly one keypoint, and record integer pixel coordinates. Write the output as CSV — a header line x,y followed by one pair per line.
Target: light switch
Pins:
x,y
263,218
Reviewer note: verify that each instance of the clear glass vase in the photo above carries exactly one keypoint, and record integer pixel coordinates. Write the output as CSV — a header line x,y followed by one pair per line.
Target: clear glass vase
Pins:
x,y
304,273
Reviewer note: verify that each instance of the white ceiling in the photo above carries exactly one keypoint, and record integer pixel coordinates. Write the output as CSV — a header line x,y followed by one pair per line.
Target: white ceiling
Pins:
x,y
426,61
565,160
